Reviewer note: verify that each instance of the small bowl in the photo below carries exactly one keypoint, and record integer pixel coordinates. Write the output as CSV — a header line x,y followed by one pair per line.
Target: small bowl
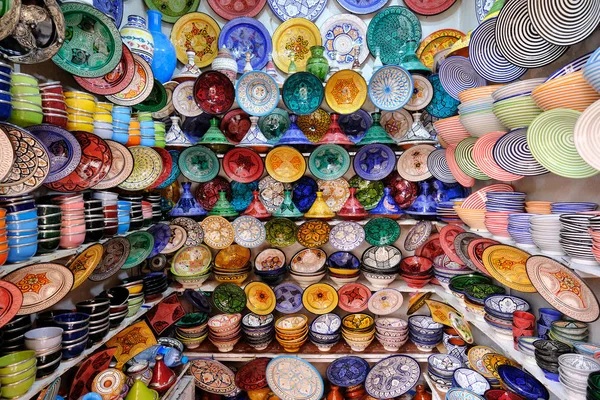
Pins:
x,y
75,334
116,295
73,320
16,362
18,388
43,338
74,350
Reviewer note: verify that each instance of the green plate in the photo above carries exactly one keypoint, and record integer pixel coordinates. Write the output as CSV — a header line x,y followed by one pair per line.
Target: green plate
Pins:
x,y
198,164
458,283
329,162
92,46
229,298
172,9
281,232
464,158
368,193
155,101
274,125
389,30
480,291
141,244
382,231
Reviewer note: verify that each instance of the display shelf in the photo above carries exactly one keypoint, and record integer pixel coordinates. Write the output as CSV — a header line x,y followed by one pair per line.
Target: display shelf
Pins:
x,y
435,393
184,390
308,352
401,222
64,366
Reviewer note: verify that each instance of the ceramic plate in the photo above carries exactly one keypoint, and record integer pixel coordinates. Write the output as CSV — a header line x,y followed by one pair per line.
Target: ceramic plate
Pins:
x,y
140,86
120,168
289,298
114,255
114,81
229,298
185,102
396,123
512,153
285,164
147,167
218,232
438,166
296,35
462,178
436,42
246,35
64,150
381,231
429,7
457,74
172,11
346,91
393,19
390,87
463,154
368,193
385,301
214,92
297,9
11,299
422,93
521,382
235,124
253,375
191,260
354,297
238,8
412,164
442,105
320,298
392,377
314,125
271,193
302,93
85,263
355,125
42,285
199,164
243,165
257,93
337,371
347,236
374,162
249,232
329,161
484,158
198,32
418,235
156,99
283,374
308,261
176,241
313,233
213,377
335,192
274,125
260,298
281,232
141,245
342,34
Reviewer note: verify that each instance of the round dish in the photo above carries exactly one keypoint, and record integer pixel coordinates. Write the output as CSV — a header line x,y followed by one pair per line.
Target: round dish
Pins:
x,y
114,81
260,298
285,164
385,301
198,32
329,161
249,231
342,34
374,162
392,377
313,233
412,164
354,297
218,232
214,92
63,149
229,298
11,300
247,35
346,91
391,87
302,93
147,167
337,371
114,255
393,19
234,9
296,35
198,163
320,298
85,263
381,231
140,86
281,232
141,245
120,168
282,378
243,165
257,93
347,236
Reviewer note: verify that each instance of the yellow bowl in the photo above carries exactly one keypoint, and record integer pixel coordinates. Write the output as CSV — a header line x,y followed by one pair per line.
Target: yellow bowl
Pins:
x,y
344,271
81,104
358,322
291,323
135,289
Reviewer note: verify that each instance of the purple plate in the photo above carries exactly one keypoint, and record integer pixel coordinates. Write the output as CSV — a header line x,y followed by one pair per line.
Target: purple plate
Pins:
x,y
356,125
198,300
63,149
289,298
374,162
362,7
162,235
246,35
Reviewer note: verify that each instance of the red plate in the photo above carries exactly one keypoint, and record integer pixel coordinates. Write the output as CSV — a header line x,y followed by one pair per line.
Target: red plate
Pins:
x,y
235,124
96,159
354,297
447,235
243,165
167,161
475,252
253,375
207,193
214,92
230,9
429,7
113,82
11,299
431,248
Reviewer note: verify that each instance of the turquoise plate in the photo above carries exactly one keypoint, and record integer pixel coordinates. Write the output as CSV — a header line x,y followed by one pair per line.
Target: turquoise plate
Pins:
x,y
303,93
274,125
141,245
389,30
198,164
329,162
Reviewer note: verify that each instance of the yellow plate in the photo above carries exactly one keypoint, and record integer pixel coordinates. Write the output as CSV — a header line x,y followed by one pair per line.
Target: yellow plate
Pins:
x,y
131,341
260,298
346,91
493,360
285,164
437,41
440,311
85,263
297,35
506,264
475,356
199,32
320,298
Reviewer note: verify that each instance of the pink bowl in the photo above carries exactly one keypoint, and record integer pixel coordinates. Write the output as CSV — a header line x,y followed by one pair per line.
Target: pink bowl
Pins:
x,y
71,241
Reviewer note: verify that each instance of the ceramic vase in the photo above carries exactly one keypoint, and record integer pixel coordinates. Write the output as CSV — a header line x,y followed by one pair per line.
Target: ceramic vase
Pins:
x,y
317,63
223,208
387,207
376,133
214,138
164,60
425,203
187,205
422,394
320,209
352,209
287,209
225,63
334,393
410,61
334,134
175,136
254,138
137,37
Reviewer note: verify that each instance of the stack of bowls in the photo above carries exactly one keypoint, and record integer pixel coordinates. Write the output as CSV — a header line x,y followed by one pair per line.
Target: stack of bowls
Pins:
x,y
21,227
147,213
291,331
49,219
269,265
381,265
232,264
544,323
76,332
545,233
569,91
17,373
53,104
192,329
46,318
593,387
525,345
499,310
518,229
94,220
450,130
195,277
121,117
155,284
594,232
47,344
546,356
472,217
308,266
574,372
325,331
538,207
146,129
123,216
358,330
343,267
478,118
3,237
591,71
440,368
470,380
134,135
80,111
424,332
99,313
137,219
516,112
26,100
572,207
259,330
499,205
103,121
135,286
517,88
159,134
445,212
392,333
118,297
14,334
444,269
575,238
224,331
72,228
134,303
569,332
416,271
155,200
110,209
5,96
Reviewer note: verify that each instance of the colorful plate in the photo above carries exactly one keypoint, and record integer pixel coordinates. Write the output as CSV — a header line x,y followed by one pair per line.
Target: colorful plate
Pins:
x,y
120,168
347,236
484,158
329,161
156,99
243,165
114,254
463,154
297,9
11,299
412,164
303,93
64,150
429,7
191,260
512,153
274,125
260,298
198,32
385,301
214,92
396,19
374,162
335,192
198,164
172,11
342,34
195,234
177,240
281,232
218,232
249,231
447,235
85,263
147,167
296,35
257,93
356,125
457,74
313,233
392,377
390,87
184,102
282,378
354,297
213,377
422,93
346,91
320,298
289,298
442,105
396,123
247,35
382,231
462,178
230,298
141,245
114,81
436,42
315,125
337,371
438,166
507,265
237,8
235,124
368,192
140,86
417,235
285,164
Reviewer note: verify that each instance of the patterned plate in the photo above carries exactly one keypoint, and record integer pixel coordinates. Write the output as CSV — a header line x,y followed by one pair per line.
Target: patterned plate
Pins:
x,y
385,301
563,23
482,8
207,193
347,371
320,298
184,101
257,93
313,233
463,155
436,42
396,19
249,232
461,247
382,231
7,155
11,299
172,11
412,164
281,232
368,193
291,377
115,253
346,91
396,123
195,234
422,93
314,125
113,82
390,87
296,35
42,285
247,35
418,235
213,92
198,164
285,164
198,32
392,377
457,74
85,263
176,241
361,8
162,235
347,236
462,178
274,125
237,8
147,167
213,377
355,125
191,260
429,7
140,245
329,161
374,161
342,34
511,152
438,166
271,193
507,265
335,192
64,150
235,124
252,376
139,88
483,157
302,93
260,298
243,165
218,232
304,193
229,298
289,298
121,167
285,10
354,297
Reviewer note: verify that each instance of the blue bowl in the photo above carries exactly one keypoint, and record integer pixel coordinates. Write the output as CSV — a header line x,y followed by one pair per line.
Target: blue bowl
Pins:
x,y
21,215
19,206
22,240
120,137
75,334
23,224
123,228
21,253
73,320
344,260
5,111
5,97
147,142
122,204
74,350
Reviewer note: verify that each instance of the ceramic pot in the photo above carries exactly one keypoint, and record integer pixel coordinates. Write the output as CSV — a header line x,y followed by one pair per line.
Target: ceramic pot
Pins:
x,y
225,64
317,63
334,393
214,139
137,37
334,134
320,209
387,206
257,209
352,209
254,138
376,133
187,204
164,59
223,208
287,209
175,136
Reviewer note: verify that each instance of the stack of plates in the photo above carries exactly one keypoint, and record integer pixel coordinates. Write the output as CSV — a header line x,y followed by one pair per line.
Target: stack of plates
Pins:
x,y
499,206
464,158
445,269
478,118
569,332
570,91
450,130
572,207
574,371
525,345
595,235
545,232
538,207
446,212
518,228
575,239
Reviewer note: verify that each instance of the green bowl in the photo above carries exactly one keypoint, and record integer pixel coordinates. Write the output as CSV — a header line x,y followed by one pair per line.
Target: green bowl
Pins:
x,y
49,220
16,362
25,118
18,388
18,376
17,90
191,320
17,77
49,234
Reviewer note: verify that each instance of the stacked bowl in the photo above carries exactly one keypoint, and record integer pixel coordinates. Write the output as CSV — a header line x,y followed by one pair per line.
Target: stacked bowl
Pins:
x,y
21,227
424,332
381,265
110,211
76,333
343,268
291,331
269,265
72,228
3,237
47,344
444,269
118,309
134,135
26,100
49,221
80,111
416,271
193,274
477,117
258,330
192,329
53,104
121,116
575,239
574,371
135,286
155,200
544,323
545,233
525,345
232,264
499,309
155,284
593,387
159,134
569,332
499,205
358,330
147,213
513,104
450,130
570,91
474,218
98,310
123,216
308,266
546,356
446,213
572,207
440,368
538,207
325,331
591,71
17,373
392,333
13,334
224,331
103,121
518,229
5,95
94,220
137,218
146,129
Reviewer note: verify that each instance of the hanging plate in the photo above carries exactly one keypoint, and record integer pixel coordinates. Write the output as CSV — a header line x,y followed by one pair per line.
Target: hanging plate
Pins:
x,y
313,233
7,155
229,298
436,42
346,91
249,231
360,7
247,35
385,301
281,232
335,192
297,35
285,164
63,149
303,93
374,161
429,7
412,164
172,10
85,263
329,161
483,157
282,378
260,298
147,167
512,153
198,164
114,81
381,231
309,10
243,165
184,102
114,254
140,86
177,240
442,105
214,92
398,20
218,232
289,298
422,93
235,124
354,297
120,169
257,93
347,236
396,123
438,166
11,299
191,261
320,298
342,34
198,32
390,88
507,265
141,245
213,377
237,8
337,371
457,74
464,158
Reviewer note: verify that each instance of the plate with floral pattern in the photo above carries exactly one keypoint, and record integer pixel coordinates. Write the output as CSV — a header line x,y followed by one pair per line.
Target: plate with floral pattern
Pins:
x,y
218,232
314,125
198,163
329,161
229,298
392,377
249,231
382,231
342,34
115,253
354,297
213,377
285,164
295,35
412,164
289,298
271,193
147,167
139,88
302,93
507,265
198,32
313,233
320,298
257,93
291,378
385,301
375,161
347,236
335,192
191,260
390,88
260,298
281,232
308,261
177,239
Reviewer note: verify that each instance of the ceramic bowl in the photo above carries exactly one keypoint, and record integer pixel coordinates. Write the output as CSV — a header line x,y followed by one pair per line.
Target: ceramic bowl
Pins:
x,y
20,253
21,215
17,376
19,388
75,349
47,368
71,321
18,322
16,362
43,338
94,307
379,281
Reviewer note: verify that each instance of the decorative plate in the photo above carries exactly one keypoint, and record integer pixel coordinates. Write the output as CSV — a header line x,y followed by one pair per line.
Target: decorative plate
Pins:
x,y
417,301
368,193
241,194
168,109
512,153
347,371
195,234
291,377
308,261
437,163
385,301
484,158
172,11
355,125
114,81
198,32
326,324
460,325
521,382
257,93
235,124
131,341
42,285
140,245
285,164
238,8
213,377
213,92
507,265
392,19
396,123
493,360
198,163
457,74
313,233
247,35
429,7
218,232
391,87
358,7
243,165
418,235
564,290
140,86
229,298
346,91
147,167
335,192
184,100
302,93
93,46
354,297
320,298
63,149
475,356
447,235
347,236
345,36
115,253
431,248
422,93
482,8
260,298
436,42
295,35
309,10
374,162
463,155
304,193
177,239
392,377
329,161
252,376
249,231
271,193
440,311
382,231
156,99
85,263
274,125
191,260
281,232
442,105
461,248
87,371
7,155
11,299
162,235
289,298
207,193
121,167
412,164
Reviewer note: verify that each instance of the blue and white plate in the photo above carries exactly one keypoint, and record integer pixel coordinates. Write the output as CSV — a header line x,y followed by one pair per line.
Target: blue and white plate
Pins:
x,y
457,74
362,6
503,306
392,377
469,379
462,394
347,236
573,66
347,371
64,150
283,374
257,93
287,9
511,152
288,297
246,35
391,87
341,34
249,231
326,324
438,166
374,161
482,8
